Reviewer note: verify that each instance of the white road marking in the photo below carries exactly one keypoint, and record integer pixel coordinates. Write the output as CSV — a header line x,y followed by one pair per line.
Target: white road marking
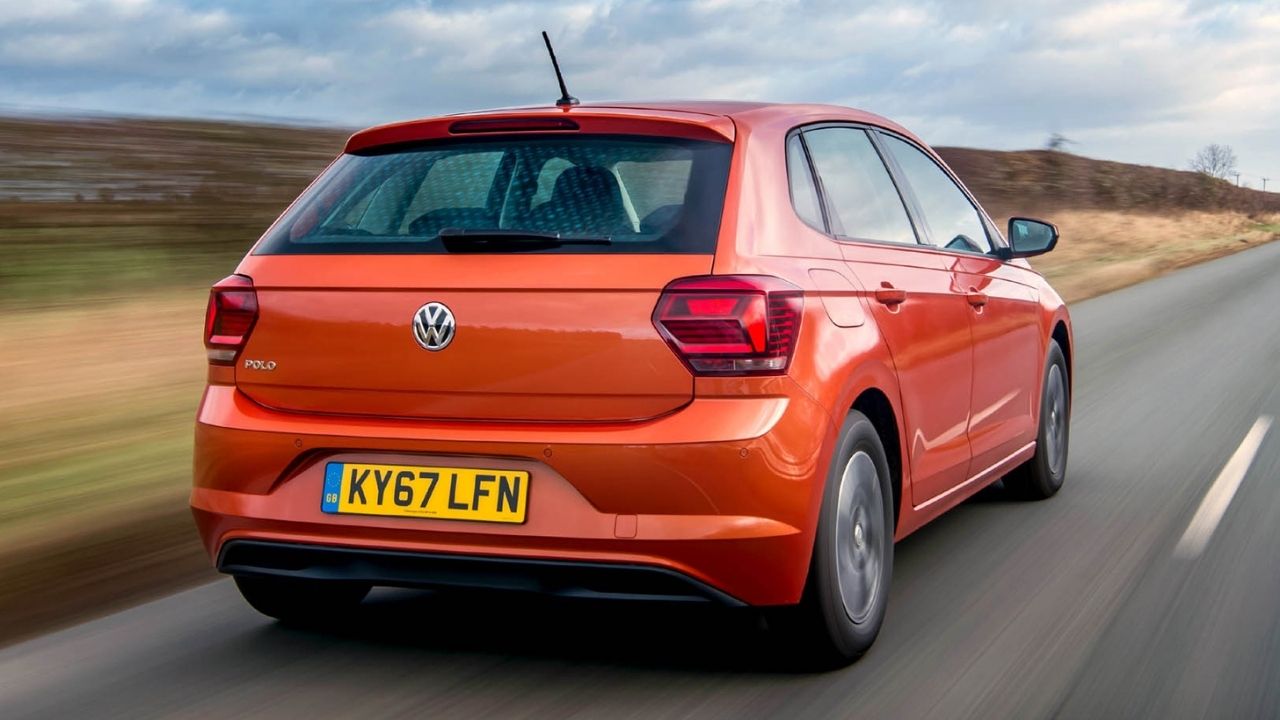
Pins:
x,y
1221,492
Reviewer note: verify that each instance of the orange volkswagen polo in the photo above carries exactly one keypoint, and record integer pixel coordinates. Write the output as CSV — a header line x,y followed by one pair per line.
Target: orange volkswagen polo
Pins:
x,y
713,352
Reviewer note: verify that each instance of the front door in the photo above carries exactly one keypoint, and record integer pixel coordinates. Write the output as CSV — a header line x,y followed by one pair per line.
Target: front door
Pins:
x,y
1007,358
1006,341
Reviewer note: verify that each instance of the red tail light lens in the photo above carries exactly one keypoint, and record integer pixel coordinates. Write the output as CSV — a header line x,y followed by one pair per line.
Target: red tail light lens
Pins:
x,y
731,324
233,309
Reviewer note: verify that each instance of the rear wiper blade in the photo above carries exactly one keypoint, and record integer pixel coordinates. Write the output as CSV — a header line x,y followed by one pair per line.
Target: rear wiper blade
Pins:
x,y
465,239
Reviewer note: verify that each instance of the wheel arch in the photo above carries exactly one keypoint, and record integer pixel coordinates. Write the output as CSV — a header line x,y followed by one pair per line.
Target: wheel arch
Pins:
x,y
875,405
871,387
1062,335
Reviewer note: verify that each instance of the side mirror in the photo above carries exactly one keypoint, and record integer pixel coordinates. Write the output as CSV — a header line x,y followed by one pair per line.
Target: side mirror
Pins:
x,y
1029,237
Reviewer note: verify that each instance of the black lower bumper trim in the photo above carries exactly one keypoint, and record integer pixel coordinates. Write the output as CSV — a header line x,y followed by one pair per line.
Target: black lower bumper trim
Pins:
x,y
395,568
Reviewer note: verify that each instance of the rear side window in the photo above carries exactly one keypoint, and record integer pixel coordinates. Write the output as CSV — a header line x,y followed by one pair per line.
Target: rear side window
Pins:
x,y
953,221
862,200
583,193
804,192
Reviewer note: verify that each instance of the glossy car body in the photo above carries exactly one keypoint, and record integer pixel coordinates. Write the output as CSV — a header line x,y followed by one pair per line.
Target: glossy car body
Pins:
x,y
634,461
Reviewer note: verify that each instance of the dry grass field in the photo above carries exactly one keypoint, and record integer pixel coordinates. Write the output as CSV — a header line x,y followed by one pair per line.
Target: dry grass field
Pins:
x,y
1103,250
95,448
112,230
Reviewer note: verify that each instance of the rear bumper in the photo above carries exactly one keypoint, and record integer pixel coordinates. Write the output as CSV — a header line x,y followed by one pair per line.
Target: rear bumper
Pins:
x,y
722,494
609,581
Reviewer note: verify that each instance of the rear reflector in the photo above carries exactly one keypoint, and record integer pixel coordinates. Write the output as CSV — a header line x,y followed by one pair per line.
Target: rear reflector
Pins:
x,y
233,309
731,324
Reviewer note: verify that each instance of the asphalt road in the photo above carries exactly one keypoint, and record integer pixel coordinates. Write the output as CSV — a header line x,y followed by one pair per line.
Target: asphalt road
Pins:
x,y
1088,605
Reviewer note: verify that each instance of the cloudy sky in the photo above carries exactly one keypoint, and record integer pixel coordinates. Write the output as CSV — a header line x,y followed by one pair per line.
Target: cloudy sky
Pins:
x,y
1143,80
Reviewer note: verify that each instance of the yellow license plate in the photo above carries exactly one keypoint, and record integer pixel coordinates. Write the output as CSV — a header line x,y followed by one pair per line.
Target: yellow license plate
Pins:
x,y
445,493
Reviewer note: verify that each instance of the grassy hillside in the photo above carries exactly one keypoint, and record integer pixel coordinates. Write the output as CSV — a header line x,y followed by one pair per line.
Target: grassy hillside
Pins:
x,y
112,229
116,206
1033,182
110,207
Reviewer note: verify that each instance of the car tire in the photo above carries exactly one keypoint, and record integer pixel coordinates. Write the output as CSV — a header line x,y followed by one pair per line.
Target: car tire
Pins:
x,y
847,590
1041,477
298,601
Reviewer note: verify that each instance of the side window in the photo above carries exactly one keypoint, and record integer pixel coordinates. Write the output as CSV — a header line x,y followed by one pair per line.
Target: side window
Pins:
x,y
861,197
804,193
954,223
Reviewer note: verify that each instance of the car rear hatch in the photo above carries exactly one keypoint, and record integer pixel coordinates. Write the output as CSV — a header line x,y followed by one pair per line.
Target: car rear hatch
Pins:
x,y
548,250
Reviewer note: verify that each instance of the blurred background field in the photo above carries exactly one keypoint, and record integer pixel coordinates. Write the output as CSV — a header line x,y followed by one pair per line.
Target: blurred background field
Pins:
x,y
111,230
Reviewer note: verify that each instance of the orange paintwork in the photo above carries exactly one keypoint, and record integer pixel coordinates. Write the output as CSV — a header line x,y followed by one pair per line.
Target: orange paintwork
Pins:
x,y
716,477
532,302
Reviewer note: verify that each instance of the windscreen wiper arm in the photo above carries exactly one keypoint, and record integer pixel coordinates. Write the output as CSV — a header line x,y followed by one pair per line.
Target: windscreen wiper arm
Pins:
x,y
466,239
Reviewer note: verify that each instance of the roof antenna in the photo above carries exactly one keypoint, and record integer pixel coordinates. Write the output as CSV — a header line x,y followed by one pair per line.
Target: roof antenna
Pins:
x,y
566,100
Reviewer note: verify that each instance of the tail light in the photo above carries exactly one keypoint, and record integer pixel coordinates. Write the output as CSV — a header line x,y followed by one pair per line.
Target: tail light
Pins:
x,y
731,324
233,309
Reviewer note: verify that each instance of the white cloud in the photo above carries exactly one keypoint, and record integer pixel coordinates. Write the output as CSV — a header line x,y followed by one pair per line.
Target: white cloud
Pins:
x,y
18,12
272,66
1110,21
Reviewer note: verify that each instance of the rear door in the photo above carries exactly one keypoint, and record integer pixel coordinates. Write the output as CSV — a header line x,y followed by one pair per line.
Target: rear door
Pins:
x,y
548,252
1004,313
924,322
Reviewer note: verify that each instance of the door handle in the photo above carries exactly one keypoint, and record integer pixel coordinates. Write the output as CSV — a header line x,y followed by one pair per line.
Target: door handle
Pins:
x,y
890,296
975,298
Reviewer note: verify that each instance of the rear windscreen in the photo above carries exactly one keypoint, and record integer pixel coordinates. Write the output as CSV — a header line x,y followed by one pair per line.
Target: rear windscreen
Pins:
x,y
582,193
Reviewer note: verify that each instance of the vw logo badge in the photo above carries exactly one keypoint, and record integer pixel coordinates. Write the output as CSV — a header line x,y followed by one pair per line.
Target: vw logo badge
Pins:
x,y
433,326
